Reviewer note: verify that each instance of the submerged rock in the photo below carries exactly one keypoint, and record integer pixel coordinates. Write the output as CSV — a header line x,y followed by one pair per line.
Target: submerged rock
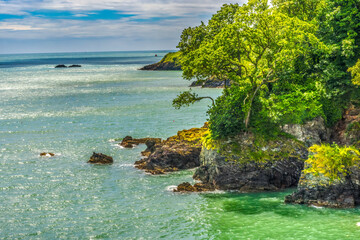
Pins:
x,y
45,154
60,66
99,158
74,65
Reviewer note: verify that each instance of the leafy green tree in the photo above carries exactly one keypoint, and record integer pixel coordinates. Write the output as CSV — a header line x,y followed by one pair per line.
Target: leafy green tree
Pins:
x,y
252,51
339,29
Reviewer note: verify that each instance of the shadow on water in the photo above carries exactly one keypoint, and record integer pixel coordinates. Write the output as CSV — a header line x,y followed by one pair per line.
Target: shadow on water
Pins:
x,y
258,203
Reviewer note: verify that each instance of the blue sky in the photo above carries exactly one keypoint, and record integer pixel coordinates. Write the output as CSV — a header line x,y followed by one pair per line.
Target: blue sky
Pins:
x,y
98,25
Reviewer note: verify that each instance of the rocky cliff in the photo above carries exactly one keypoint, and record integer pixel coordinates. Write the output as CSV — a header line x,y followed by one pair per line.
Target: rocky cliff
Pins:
x,y
343,192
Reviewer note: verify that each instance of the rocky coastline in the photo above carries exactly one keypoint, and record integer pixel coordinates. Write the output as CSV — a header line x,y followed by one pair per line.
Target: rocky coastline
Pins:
x,y
247,164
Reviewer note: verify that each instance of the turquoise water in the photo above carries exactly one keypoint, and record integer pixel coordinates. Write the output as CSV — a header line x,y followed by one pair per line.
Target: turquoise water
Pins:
x,y
73,112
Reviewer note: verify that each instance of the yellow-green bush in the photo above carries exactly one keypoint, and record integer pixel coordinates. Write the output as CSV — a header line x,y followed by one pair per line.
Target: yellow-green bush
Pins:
x,y
332,161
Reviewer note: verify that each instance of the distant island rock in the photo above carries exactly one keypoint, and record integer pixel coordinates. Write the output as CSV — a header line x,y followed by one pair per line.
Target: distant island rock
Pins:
x,y
60,66
170,62
64,66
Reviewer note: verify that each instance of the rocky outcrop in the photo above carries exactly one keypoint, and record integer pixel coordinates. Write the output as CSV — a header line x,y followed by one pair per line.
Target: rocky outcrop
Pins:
x,y
99,158
312,132
347,130
320,191
47,154
211,83
162,66
197,187
60,66
129,142
176,153
170,62
247,164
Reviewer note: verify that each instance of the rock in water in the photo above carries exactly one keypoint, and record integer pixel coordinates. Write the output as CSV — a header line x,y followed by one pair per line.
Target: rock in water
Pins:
x,y
45,154
99,158
197,187
129,142
176,153
320,191
74,65
60,66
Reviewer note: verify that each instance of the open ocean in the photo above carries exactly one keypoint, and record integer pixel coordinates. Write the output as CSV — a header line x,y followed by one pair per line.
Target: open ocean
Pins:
x,y
75,111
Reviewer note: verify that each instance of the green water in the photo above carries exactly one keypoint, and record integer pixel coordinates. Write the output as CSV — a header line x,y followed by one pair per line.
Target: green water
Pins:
x,y
73,112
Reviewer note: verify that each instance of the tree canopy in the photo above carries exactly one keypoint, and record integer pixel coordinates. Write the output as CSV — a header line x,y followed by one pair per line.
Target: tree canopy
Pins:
x,y
290,60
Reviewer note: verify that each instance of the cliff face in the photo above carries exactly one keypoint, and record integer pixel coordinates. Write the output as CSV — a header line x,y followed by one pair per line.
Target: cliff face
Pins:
x,y
170,62
248,164
341,193
320,191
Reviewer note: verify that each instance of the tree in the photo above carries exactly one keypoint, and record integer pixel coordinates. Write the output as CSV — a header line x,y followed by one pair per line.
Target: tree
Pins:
x,y
253,50
187,98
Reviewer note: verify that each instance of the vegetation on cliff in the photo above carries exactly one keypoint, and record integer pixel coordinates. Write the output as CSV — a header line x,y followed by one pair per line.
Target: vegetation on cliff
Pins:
x,y
171,61
288,62
332,161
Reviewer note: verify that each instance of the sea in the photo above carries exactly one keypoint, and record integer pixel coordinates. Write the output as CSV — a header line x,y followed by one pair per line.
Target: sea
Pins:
x,y
73,112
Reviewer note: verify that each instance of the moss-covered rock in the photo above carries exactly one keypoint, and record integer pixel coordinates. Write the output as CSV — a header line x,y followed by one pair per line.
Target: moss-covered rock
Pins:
x,y
178,152
248,163
319,190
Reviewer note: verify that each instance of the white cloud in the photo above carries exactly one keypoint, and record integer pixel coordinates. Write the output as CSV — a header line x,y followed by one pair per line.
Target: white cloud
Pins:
x,y
128,29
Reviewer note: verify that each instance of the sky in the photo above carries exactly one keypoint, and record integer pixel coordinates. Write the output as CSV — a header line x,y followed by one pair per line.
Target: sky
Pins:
x,y
36,26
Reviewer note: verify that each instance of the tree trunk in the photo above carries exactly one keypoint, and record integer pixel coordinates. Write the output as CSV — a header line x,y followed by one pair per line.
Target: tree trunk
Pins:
x,y
248,114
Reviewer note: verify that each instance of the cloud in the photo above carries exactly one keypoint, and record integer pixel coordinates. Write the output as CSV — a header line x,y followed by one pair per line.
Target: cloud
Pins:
x,y
128,20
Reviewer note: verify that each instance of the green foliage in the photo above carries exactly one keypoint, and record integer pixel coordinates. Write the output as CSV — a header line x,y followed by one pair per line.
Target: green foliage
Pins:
x,y
187,98
339,29
226,117
173,57
332,161
355,73
288,62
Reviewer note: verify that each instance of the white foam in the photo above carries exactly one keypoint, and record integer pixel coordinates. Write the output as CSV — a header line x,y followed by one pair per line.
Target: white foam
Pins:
x,y
316,206
171,188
